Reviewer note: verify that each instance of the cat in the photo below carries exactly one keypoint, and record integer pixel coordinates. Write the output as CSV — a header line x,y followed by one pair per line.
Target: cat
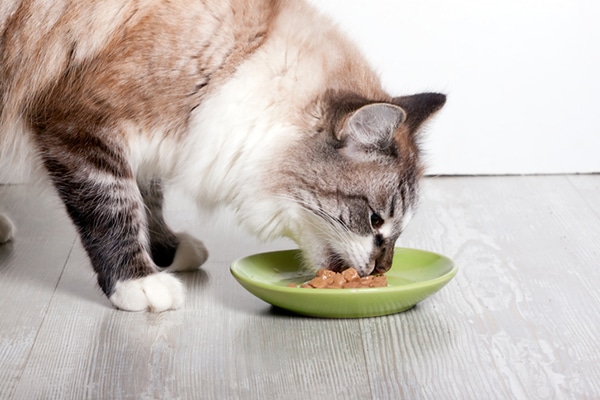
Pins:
x,y
260,105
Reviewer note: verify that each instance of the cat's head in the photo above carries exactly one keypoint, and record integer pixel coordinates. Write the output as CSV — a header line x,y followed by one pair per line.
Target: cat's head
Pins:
x,y
353,181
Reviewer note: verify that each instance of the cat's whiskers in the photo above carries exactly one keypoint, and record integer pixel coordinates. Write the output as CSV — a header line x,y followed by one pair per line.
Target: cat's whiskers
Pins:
x,y
322,214
332,232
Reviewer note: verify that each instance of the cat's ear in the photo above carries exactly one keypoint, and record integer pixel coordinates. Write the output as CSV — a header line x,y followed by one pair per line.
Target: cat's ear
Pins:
x,y
419,108
371,127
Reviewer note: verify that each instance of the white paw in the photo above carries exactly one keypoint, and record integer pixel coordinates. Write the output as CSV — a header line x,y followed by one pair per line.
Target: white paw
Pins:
x,y
190,254
7,229
157,292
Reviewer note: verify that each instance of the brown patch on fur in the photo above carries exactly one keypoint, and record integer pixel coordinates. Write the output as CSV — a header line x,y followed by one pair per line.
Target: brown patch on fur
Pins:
x,y
142,69
40,40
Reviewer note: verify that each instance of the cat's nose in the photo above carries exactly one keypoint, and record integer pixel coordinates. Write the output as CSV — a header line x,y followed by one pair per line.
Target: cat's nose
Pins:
x,y
383,262
381,269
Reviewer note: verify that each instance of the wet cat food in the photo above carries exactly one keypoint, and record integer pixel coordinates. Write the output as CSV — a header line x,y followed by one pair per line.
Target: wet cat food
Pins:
x,y
348,279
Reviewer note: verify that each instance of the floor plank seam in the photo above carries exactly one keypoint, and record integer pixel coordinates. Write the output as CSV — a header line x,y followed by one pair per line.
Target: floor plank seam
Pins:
x,y
43,320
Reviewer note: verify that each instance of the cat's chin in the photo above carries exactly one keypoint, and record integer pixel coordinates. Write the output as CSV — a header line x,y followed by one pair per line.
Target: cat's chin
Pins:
x,y
335,262
346,251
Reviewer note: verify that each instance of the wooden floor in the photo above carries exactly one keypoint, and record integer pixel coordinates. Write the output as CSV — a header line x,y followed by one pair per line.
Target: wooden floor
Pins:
x,y
521,320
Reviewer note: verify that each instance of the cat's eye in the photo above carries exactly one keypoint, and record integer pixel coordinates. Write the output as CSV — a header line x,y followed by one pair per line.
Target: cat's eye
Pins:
x,y
376,221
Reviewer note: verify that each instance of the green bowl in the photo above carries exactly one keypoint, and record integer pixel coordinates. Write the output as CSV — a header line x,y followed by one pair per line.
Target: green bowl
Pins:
x,y
414,276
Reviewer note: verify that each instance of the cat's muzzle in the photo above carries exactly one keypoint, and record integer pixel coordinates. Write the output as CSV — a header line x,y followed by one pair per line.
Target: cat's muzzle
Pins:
x,y
379,264
383,260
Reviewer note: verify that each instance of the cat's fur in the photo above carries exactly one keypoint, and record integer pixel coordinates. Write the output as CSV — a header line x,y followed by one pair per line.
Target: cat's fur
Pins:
x,y
261,105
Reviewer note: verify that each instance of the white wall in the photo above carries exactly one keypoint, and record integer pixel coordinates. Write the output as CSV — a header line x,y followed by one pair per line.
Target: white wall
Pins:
x,y
523,77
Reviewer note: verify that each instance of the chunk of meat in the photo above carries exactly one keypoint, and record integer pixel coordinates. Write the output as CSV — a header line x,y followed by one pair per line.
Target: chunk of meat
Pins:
x,y
348,279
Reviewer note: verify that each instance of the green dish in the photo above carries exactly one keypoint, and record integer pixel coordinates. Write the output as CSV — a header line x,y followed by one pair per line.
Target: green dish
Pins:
x,y
414,276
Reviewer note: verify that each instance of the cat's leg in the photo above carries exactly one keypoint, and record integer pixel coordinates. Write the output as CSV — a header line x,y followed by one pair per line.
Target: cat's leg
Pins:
x,y
102,198
7,229
173,251
163,242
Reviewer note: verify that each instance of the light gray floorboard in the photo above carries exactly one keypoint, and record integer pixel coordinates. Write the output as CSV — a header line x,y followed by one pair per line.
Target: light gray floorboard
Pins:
x,y
589,188
30,269
519,320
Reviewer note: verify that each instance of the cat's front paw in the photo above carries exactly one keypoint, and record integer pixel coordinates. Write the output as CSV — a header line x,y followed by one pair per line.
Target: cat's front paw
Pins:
x,y
157,292
190,254
7,229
